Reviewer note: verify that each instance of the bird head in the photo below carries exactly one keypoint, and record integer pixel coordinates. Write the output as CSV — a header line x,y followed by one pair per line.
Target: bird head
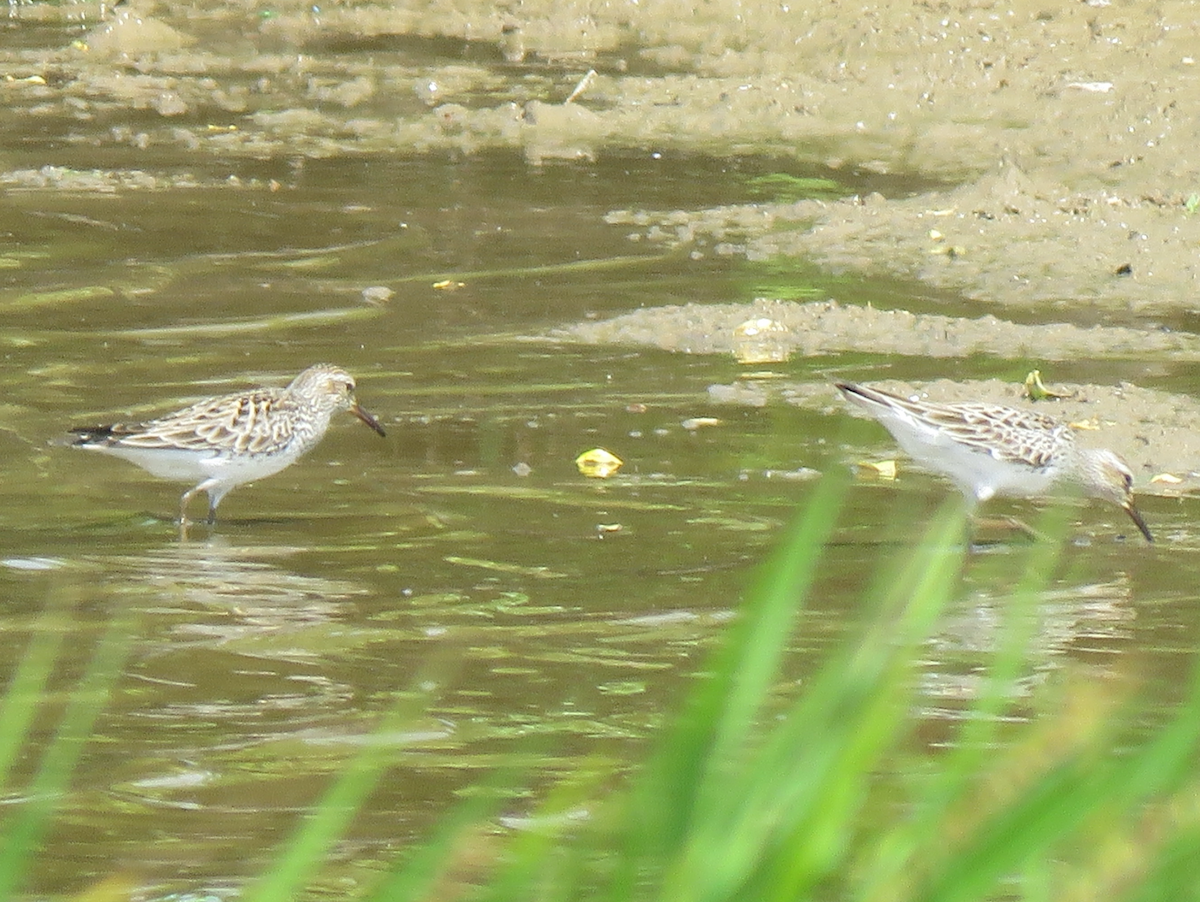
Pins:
x,y
331,388
1106,475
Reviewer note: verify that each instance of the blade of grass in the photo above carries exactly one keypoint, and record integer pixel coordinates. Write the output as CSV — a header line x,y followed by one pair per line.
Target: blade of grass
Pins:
x,y
1084,781
869,720
537,864
661,807
1176,873
29,824
416,875
304,853
782,820
20,701
976,738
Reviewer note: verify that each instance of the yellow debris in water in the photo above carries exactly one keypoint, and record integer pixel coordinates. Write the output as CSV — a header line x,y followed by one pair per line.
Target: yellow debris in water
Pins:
x,y
1036,389
598,463
1166,478
883,469
449,285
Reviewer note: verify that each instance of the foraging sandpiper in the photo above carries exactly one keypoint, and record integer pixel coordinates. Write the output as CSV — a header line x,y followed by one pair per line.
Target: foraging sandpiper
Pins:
x,y
988,450
226,441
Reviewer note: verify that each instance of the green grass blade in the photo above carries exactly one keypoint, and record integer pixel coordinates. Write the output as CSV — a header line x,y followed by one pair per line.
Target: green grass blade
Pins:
x,y
19,704
305,851
1175,875
748,666
416,876
710,733
28,825
536,865
782,821
976,739
1083,781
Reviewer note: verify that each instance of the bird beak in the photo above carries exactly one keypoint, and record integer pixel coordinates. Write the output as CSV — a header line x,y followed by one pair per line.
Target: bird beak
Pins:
x,y
1137,518
374,424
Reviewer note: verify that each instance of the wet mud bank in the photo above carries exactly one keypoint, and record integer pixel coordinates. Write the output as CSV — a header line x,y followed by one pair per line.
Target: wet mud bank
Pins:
x,y
1067,128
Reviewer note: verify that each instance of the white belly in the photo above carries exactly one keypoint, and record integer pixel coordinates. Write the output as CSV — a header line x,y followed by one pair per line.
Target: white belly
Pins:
x,y
196,466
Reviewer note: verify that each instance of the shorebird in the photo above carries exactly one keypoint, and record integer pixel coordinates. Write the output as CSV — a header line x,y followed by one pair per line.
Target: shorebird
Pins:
x,y
989,450
225,441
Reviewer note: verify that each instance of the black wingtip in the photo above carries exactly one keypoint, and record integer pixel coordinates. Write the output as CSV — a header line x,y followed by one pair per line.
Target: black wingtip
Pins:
x,y
90,435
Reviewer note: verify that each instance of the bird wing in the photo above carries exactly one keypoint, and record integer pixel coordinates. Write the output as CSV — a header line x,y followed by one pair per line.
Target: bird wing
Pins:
x,y
1005,433
233,423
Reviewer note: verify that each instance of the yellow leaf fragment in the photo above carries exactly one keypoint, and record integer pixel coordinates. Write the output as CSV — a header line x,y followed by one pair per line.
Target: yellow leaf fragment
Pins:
x,y
449,285
1091,424
1166,479
693,423
1036,389
598,463
883,469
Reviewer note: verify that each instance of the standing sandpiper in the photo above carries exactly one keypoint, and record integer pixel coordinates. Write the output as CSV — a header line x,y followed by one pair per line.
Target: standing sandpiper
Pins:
x,y
991,450
226,441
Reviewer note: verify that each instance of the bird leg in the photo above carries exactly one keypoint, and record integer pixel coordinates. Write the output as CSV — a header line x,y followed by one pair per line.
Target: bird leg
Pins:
x,y
1009,524
183,503
213,497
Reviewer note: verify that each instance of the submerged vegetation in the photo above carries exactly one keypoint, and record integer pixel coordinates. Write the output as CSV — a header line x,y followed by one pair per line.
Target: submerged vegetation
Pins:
x,y
762,788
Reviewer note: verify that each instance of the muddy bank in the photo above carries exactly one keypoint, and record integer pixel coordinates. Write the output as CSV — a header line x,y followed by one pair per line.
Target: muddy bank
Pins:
x,y
1070,127
827,327
1004,240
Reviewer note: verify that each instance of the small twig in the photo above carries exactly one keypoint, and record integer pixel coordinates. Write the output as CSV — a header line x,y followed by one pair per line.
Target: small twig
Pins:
x,y
584,84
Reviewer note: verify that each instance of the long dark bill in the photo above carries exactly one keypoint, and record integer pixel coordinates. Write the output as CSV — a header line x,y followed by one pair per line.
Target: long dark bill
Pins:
x,y
1137,518
368,419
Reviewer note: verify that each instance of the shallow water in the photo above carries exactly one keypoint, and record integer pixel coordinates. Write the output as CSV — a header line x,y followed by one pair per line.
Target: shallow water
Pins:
x,y
542,615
